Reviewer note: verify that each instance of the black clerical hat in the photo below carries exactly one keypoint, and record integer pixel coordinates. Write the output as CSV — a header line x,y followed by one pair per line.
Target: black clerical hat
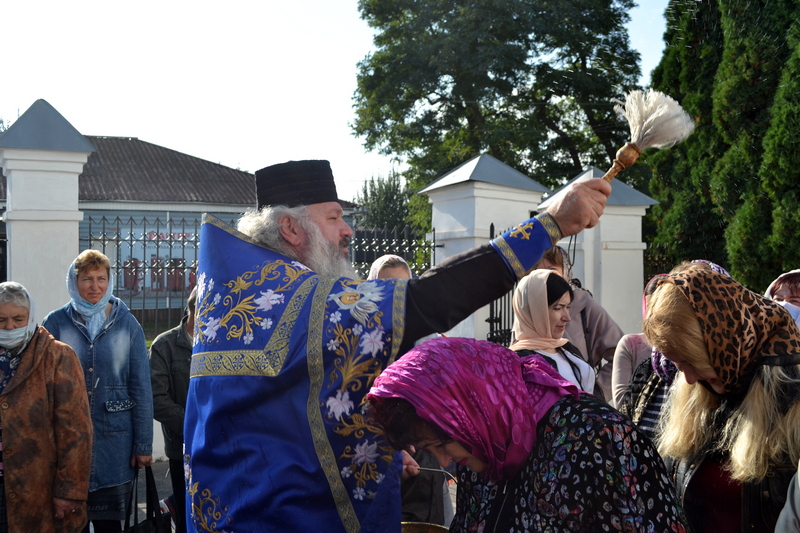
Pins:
x,y
295,183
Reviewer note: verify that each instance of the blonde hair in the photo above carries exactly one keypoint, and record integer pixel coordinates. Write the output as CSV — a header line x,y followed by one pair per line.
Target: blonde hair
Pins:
x,y
755,436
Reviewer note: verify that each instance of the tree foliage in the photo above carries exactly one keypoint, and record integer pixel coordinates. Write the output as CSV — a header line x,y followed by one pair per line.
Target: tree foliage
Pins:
x,y
529,82
687,222
730,192
383,203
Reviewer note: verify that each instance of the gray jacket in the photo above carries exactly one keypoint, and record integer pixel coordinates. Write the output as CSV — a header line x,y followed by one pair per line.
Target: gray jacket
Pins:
x,y
170,359
595,334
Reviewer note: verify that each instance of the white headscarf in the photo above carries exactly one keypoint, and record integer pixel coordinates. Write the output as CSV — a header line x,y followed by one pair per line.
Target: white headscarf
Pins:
x,y
93,314
15,293
379,263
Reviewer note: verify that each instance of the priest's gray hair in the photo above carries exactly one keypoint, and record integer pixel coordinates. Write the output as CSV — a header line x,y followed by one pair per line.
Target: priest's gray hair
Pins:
x,y
263,226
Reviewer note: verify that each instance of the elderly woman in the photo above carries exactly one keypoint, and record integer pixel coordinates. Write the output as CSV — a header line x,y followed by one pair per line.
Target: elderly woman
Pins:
x,y
542,303
45,429
111,347
534,453
731,425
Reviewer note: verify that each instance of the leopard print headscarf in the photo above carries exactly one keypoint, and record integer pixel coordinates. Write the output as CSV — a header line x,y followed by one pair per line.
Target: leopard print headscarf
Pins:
x,y
741,328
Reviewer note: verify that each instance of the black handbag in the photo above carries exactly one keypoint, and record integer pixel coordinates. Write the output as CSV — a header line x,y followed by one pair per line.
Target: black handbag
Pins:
x,y
155,521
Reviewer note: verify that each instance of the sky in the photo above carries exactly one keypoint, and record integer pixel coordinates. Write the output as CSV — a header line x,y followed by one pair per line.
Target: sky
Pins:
x,y
243,83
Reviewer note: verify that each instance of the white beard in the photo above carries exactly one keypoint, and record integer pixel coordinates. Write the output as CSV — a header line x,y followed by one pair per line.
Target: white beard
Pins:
x,y
326,258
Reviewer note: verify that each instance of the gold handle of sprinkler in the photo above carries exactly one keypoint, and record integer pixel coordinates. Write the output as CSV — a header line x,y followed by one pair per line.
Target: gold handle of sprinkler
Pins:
x,y
626,156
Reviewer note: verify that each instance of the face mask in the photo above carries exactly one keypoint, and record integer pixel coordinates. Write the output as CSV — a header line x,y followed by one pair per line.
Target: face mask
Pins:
x,y
11,338
793,309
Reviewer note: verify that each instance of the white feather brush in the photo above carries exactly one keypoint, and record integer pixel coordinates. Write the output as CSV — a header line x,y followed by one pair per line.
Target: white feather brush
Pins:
x,y
656,121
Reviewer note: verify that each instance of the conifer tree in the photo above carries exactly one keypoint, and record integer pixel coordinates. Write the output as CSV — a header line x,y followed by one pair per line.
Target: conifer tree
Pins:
x,y
755,53
687,222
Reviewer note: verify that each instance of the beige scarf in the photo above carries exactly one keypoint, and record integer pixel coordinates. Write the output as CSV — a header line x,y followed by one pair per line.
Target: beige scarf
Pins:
x,y
531,329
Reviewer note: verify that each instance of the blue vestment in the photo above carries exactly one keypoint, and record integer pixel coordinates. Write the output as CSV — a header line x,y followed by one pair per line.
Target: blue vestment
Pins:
x,y
275,437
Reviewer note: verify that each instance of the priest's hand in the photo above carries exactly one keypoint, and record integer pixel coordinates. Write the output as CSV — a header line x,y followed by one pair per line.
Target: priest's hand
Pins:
x,y
580,205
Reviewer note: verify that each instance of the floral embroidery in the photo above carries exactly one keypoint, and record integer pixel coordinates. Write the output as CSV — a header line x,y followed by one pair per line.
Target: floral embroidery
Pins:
x,y
268,299
236,312
340,404
372,342
365,453
207,512
357,339
212,325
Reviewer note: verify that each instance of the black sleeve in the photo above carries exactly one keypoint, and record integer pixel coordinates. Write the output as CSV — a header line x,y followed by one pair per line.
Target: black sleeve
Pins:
x,y
451,291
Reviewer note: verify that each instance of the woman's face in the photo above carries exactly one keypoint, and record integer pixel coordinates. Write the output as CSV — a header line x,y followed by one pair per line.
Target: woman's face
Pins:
x,y
452,451
692,374
395,272
784,294
559,316
92,284
13,316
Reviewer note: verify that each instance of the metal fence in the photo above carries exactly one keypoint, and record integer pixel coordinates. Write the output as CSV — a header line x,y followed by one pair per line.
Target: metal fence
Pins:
x,y
154,260
368,244
501,311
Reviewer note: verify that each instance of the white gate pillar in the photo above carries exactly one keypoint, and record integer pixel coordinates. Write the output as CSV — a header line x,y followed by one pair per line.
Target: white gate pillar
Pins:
x,y
466,202
42,155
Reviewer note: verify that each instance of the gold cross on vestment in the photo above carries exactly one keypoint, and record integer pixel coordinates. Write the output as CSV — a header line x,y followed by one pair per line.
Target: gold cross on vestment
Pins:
x,y
520,231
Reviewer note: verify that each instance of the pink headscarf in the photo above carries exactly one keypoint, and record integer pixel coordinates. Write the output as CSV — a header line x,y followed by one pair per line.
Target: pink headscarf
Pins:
x,y
483,395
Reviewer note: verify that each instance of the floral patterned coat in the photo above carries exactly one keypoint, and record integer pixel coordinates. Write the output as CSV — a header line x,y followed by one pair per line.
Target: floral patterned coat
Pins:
x,y
47,437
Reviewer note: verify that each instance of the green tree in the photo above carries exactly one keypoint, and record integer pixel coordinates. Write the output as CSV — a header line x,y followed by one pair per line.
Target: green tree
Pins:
x,y
767,225
382,203
755,55
687,223
530,82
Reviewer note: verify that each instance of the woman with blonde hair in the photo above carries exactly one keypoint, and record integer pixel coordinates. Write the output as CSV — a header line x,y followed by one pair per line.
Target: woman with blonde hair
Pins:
x,y
731,425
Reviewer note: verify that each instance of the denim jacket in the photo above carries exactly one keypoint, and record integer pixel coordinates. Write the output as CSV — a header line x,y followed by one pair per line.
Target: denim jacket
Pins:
x,y
117,378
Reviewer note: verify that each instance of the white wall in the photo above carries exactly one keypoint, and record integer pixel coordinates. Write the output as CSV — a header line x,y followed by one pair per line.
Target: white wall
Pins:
x,y
609,258
42,220
462,214
609,261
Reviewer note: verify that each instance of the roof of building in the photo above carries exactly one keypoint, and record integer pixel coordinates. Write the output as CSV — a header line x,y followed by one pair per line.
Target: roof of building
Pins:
x,y
621,193
41,127
128,169
487,169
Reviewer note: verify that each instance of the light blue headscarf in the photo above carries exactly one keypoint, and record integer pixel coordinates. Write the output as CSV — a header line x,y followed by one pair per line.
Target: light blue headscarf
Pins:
x,y
93,314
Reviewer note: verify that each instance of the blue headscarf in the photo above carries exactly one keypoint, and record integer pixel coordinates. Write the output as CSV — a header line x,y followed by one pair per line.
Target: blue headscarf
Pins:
x,y
93,314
